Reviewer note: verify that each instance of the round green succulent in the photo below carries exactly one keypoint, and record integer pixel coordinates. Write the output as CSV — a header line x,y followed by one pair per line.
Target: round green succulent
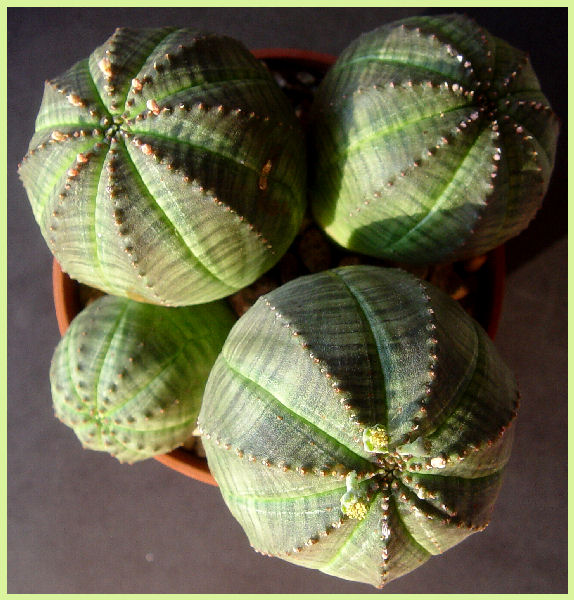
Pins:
x,y
358,421
167,167
128,377
432,142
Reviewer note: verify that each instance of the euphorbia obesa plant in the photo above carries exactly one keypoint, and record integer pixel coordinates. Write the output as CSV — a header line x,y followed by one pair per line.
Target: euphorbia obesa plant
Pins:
x,y
432,142
357,422
167,167
128,377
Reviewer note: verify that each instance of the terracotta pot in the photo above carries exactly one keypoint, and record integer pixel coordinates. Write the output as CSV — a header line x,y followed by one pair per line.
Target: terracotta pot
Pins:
x,y
67,291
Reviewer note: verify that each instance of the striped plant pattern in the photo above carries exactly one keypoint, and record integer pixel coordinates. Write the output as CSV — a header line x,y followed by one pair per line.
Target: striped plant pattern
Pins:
x,y
432,142
167,167
128,377
358,422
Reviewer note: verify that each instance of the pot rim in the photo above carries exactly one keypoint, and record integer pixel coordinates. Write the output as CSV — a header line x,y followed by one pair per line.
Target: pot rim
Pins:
x,y
67,298
312,58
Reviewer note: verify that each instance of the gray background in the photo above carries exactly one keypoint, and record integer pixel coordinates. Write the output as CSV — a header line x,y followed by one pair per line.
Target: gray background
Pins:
x,y
79,522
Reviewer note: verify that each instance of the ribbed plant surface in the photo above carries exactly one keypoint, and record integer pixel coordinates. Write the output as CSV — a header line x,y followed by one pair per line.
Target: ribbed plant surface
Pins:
x,y
433,142
357,422
166,167
128,377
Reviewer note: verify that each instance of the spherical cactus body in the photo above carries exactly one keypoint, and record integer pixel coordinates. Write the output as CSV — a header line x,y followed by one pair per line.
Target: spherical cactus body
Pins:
x,y
167,167
358,421
128,377
433,142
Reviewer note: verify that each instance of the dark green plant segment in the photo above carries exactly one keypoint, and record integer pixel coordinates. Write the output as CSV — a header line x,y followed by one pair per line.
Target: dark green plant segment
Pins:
x,y
128,377
432,142
358,422
166,167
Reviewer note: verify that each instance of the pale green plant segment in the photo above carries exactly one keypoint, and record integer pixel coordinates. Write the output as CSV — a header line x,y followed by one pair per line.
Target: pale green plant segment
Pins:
x,y
432,142
167,167
358,421
128,377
